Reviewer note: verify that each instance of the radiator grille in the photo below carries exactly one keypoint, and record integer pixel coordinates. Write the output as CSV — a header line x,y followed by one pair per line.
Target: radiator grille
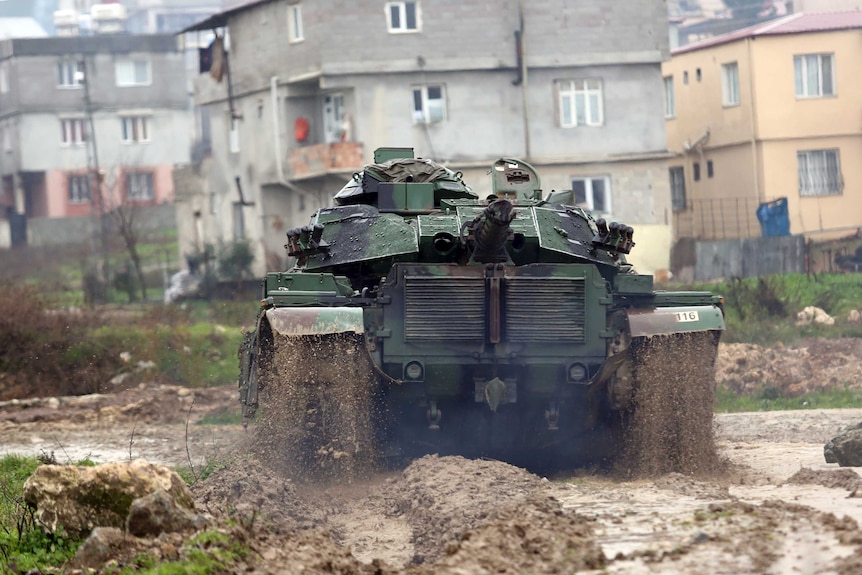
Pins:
x,y
440,308
545,309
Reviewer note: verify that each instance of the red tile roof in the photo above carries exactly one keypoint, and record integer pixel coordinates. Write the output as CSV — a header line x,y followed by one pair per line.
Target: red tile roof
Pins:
x,y
799,23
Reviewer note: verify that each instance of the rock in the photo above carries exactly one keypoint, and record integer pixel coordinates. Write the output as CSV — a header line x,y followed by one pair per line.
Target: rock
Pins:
x,y
159,513
814,314
845,449
79,499
98,548
854,316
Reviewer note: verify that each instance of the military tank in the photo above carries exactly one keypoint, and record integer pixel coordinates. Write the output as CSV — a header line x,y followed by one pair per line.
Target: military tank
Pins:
x,y
418,318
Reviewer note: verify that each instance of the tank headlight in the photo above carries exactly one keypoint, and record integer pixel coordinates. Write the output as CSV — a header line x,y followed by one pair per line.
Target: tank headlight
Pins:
x,y
577,373
414,371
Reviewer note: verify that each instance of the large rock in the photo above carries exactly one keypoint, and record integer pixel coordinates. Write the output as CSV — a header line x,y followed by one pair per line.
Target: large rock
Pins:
x,y
158,513
845,449
100,546
81,498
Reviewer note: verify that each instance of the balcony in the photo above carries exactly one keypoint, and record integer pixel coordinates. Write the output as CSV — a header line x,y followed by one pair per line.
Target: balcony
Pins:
x,y
322,159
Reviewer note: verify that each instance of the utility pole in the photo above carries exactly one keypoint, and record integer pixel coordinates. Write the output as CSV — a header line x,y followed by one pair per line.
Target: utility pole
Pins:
x,y
97,200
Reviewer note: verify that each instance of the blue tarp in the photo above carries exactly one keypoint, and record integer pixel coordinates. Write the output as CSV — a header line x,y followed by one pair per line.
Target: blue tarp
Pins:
x,y
773,218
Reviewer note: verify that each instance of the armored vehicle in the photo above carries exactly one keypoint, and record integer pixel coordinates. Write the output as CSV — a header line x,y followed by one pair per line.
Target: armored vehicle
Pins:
x,y
419,318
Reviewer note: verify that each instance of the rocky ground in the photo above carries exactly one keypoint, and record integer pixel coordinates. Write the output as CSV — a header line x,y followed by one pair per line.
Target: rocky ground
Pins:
x,y
776,508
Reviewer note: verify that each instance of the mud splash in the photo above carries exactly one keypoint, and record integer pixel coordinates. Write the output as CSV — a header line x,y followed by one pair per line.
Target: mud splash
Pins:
x,y
319,409
671,426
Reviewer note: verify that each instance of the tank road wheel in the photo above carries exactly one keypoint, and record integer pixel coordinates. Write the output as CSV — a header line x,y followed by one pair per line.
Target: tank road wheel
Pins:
x,y
669,426
319,405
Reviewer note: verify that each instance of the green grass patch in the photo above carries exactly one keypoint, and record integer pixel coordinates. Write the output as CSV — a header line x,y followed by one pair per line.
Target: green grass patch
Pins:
x,y
770,399
223,418
23,545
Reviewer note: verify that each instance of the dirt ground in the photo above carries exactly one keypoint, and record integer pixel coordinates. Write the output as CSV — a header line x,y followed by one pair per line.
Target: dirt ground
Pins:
x,y
777,509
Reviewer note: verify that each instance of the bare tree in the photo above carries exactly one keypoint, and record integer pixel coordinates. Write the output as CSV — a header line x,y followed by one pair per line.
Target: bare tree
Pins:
x,y
125,213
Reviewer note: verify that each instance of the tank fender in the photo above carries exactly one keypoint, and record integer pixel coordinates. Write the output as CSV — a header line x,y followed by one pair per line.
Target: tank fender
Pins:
x,y
648,322
295,321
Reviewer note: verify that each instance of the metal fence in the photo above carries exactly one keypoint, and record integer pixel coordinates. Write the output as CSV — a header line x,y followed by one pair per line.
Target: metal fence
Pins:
x,y
718,219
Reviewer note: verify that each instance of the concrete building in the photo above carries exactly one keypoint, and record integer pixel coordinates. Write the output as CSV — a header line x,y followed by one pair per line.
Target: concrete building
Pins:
x,y
168,16
72,107
767,112
314,86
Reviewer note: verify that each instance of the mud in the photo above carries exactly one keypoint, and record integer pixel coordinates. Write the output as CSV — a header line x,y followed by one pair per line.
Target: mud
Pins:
x,y
671,427
776,508
316,420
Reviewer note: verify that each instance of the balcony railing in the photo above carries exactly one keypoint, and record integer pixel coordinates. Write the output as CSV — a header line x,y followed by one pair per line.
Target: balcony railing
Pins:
x,y
321,159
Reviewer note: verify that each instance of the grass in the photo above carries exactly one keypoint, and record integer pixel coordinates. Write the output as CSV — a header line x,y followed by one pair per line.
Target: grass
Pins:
x,y
726,401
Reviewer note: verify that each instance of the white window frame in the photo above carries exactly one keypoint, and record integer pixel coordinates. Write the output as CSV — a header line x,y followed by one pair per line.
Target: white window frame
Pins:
x,y
295,32
67,74
589,200
134,129
587,91
428,110
819,184
7,139
140,186
123,80
669,98
730,84
79,188
73,131
402,27
803,84
4,79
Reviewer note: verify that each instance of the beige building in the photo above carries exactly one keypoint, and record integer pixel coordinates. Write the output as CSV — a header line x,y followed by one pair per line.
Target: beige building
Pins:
x,y
768,112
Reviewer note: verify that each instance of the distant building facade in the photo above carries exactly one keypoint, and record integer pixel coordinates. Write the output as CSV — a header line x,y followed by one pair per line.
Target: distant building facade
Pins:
x,y
313,87
764,113
80,113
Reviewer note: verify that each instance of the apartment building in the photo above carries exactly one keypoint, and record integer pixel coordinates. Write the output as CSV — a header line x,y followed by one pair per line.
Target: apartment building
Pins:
x,y
765,113
310,88
87,113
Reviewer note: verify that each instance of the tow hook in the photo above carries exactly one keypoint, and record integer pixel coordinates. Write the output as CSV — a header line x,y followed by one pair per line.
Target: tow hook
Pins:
x,y
434,416
552,415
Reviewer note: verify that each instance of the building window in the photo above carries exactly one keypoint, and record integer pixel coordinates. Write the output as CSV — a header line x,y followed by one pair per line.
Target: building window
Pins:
x,y
580,103
709,169
819,173
133,73
135,129
593,194
685,77
677,189
139,186
814,75
698,74
402,17
233,137
669,102
70,74
7,139
696,171
73,132
4,79
730,84
79,189
294,23
429,104
238,222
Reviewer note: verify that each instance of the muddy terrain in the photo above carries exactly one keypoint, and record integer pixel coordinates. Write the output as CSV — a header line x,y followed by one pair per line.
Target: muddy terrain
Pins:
x,y
775,507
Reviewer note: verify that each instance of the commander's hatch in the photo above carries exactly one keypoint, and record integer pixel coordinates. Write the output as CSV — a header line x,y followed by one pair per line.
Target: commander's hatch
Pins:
x,y
515,180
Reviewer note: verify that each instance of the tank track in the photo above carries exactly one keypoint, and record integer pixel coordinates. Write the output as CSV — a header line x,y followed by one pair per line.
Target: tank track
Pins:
x,y
319,403
669,426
